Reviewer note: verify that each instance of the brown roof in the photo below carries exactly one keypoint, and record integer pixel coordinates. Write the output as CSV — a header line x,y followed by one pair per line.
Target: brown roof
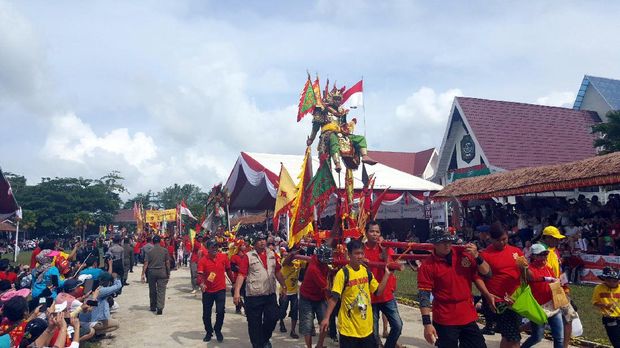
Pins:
x,y
413,163
594,171
248,219
124,215
6,227
516,135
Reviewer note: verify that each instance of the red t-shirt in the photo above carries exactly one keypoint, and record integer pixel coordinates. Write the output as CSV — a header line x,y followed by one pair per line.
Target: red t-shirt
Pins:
x,y
197,252
10,276
314,285
374,254
33,257
244,265
541,289
505,278
138,247
212,272
450,285
236,260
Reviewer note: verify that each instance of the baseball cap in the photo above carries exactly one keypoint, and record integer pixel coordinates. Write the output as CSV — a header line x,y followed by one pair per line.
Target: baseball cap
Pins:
x,y
553,232
538,249
71,284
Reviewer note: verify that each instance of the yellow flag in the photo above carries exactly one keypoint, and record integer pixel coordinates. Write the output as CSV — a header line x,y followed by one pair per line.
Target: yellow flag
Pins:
x,y
192,236
302,211
286,191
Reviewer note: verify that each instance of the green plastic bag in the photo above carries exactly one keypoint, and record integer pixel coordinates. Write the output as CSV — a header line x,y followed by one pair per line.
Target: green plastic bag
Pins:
x,y
525,305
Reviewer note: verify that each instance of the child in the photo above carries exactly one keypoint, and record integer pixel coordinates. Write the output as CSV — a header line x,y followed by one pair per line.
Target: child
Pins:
x,y
606,298
353,284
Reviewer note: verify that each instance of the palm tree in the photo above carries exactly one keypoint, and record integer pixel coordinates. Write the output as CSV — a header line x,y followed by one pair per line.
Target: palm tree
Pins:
x,y
609,140
82,220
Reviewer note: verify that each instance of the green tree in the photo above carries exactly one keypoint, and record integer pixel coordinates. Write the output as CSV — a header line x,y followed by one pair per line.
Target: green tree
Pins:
x,y
81,221
194,197
58,203
147,200
609,140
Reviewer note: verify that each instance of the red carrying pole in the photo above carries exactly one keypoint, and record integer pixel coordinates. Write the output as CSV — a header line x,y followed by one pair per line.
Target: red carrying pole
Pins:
x,y
341,262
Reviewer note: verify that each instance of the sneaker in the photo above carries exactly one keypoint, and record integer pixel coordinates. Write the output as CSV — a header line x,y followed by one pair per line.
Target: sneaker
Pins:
x,y
114,307
152,309
159,311
219,336
282,327
207,338
193,292
294,335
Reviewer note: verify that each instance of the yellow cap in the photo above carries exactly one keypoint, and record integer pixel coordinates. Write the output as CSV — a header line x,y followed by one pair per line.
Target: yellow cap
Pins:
x,y
553,231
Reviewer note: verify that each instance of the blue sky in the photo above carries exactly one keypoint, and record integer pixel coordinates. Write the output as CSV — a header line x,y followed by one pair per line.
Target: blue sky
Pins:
x,y
172,91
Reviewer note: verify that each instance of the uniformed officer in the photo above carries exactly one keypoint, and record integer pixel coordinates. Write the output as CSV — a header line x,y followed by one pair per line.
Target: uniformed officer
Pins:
x,y
157,264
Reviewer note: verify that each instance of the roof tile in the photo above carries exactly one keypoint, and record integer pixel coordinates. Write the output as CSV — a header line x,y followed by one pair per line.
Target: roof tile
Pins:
x,y
515,135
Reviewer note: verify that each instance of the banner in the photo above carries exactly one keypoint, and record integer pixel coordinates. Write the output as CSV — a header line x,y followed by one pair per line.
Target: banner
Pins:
x,y
593,266
160,215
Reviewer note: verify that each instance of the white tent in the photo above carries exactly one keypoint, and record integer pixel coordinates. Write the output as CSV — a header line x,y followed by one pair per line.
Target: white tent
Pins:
x,y
253,180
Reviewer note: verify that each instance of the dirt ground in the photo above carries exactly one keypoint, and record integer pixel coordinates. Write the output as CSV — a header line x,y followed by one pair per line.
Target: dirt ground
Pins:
x,y
181,323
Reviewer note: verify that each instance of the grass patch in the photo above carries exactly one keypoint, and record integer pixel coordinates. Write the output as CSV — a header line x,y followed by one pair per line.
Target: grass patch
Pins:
x,y
581,294
23,258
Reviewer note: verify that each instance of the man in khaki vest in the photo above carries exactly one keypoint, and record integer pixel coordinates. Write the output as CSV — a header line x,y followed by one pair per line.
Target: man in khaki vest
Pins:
x,y
260,269
157,264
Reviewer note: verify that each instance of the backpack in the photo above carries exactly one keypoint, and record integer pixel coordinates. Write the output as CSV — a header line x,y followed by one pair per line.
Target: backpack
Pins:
x,y
345,270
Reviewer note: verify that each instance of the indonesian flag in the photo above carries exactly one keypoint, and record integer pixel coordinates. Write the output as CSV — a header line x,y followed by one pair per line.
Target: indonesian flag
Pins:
x,y
353,97
184,210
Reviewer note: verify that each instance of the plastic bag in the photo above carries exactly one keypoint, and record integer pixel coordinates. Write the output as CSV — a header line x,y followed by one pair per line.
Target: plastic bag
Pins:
x,y
577,327
525,305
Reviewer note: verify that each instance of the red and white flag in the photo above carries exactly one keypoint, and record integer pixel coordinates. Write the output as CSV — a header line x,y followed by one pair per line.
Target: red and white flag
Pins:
x,y
353,97
184,210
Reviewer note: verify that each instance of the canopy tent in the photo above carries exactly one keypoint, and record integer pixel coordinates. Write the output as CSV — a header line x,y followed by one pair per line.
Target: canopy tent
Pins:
x,y
8,204
254,178
595,171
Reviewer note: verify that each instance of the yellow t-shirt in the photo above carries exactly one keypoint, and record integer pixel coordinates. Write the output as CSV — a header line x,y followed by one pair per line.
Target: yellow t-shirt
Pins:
x,y
355,316
554,262
605,295
291,276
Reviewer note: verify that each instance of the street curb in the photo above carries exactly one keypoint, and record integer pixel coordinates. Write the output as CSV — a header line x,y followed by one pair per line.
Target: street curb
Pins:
x,y
580,342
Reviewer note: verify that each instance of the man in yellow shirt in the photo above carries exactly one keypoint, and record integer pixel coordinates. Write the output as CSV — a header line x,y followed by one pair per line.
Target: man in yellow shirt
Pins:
x,y
354,284
606,297
290,272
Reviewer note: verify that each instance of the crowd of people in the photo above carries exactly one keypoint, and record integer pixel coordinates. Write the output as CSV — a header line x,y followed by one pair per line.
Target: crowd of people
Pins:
x,y
68,295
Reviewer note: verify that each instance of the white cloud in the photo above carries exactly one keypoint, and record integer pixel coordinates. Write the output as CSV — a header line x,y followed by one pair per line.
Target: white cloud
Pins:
x,y
563,99
71,139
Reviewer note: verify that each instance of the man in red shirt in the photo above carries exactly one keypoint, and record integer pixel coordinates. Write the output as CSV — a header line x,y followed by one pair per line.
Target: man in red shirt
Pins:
x,y
235,262
313,294
261,268
212,270
448,275
504,280
385,303
197,251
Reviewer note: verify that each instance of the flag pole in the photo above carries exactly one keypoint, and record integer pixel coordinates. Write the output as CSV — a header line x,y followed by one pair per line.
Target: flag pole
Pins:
x,y
15,252
288,226
228,216
364,109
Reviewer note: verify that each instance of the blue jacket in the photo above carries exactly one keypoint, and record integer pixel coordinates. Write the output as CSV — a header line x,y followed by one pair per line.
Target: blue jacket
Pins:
x,y
39,287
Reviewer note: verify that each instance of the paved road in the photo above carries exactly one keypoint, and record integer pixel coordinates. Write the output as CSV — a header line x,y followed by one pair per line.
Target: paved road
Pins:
x,y
181,324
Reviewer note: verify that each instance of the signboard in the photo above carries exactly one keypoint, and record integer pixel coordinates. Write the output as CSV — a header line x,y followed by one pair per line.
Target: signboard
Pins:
x,y
153,216
468,149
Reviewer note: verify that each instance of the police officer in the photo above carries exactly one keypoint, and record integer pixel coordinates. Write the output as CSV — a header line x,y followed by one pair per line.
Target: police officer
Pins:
x,y
157,264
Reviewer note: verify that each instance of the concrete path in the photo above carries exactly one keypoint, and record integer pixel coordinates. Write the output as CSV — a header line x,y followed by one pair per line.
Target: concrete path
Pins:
x,y
181,323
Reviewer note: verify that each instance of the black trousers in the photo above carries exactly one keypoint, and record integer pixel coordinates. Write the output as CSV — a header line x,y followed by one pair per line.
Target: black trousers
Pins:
x,y
355,342
262,316
208,298
462,336
612,326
